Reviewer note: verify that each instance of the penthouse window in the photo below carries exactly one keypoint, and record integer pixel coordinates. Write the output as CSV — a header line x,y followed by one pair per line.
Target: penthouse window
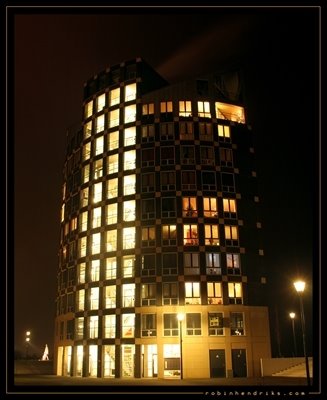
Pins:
x,y
185,109
230,112
130,92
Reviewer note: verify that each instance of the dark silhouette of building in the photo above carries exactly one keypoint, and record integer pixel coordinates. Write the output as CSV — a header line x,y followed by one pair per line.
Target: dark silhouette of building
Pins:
x,y
160,217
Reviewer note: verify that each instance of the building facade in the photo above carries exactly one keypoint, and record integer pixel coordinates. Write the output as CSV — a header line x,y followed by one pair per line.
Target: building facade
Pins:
x,y
161,268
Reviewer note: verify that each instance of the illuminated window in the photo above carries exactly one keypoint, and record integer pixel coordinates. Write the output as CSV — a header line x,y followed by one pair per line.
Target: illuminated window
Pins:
x,y
204,109
109,358
110,326
147,157
233,263
193,324
128,295
128,325
148,109
101,102
215,324
87,130
210,207
113,140
229,206
128,266
189,207
82,246
224,133
80,300
168,207
83,221
86,151
111,268
148,182
110,296
97,192
94,298
188,180
170,325
130,114
112,188
114,97
205,131
166,106
214,293
187,155
149,325
86,173
112,240
185,109
235,292
186,131
207,155
129,184
148,264
129,238
99,123
213,264
192,293
81,273
98,169
113,118
167,131
148,236
190,235
148,294
236,324
93,327
96,243
129,210
79,328
230,112
211,233
130,92
96,217
130,136
231,235
226,157
129,160
167,155
88,109
147,133
112,163
95,270
191,264
170,293
169,235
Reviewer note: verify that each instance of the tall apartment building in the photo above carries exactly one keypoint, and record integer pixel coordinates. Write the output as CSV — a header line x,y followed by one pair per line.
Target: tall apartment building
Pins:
x,y
161,270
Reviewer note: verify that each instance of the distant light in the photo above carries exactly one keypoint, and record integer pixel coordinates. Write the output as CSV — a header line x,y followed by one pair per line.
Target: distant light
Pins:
x,y
292,315
180,316
299,286
28,339
28,333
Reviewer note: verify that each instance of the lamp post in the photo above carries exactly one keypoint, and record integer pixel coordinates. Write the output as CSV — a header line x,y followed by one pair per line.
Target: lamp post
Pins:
x,y
292,316
299,287
27,341
180,317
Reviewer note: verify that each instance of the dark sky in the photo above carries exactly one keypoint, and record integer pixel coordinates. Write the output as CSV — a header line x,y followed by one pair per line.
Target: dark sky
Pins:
x,y
54,54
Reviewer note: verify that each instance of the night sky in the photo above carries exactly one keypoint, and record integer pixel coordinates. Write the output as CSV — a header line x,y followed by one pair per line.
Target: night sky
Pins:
x,y
54,54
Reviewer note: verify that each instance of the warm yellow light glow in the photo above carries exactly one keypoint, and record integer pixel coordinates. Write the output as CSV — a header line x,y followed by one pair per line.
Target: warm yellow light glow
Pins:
x,y
180,316
28,333
28,339
299,286
292,315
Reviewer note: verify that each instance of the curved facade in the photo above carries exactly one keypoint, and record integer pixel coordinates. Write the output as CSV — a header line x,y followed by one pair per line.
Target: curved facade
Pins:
x,y
160,217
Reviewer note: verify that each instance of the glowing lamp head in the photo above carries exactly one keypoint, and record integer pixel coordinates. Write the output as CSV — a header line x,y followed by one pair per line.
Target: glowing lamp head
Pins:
x,y
292,315
180,316
299,286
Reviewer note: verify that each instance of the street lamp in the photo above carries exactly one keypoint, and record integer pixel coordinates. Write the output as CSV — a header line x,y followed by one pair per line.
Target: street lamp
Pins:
x,y
27,341
292,316
299,287
180,317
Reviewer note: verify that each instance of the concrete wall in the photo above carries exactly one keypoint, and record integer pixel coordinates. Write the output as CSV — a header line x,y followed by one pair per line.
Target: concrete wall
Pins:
x,y
270,366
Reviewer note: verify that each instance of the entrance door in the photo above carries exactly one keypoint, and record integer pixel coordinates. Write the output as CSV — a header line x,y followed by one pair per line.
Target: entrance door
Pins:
x,y
217,364
239,363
